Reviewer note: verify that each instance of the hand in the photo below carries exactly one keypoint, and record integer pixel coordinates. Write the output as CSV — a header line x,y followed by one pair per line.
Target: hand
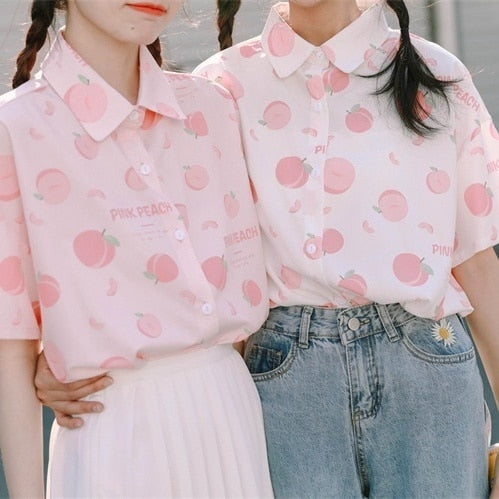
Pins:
x,y
64,398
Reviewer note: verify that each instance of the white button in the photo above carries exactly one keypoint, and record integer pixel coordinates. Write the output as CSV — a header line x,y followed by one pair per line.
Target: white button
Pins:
x,y
179,235
134,116
145,169
316,172
207,308
311,248
321,54
317,105
354,323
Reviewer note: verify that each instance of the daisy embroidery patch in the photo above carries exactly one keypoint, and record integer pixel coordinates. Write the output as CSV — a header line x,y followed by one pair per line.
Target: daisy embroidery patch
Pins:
x,y
444,332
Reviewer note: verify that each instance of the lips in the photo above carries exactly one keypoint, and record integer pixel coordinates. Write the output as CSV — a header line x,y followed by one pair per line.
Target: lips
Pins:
x,y
148,8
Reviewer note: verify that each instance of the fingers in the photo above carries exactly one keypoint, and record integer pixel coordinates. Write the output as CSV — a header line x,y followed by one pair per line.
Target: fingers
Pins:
x,y
48,393
68,422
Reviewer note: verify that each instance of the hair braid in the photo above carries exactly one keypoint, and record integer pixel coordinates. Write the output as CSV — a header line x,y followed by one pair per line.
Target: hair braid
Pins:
x,y
155,49
409,73
227,10
42,15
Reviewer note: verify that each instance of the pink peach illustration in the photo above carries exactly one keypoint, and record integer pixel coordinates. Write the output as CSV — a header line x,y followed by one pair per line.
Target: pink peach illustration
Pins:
x,y
367,227
86,146
438,181
292,172
88,101
315,87
332,241
35,134
426,226
296,207
49,290
410,269
313,247
392,205
493,131
479,199
231,83
215,270
116,362
290,278
359,119
149,325
310,131
281,39
112,288
195,124
55,360
335,80
53,186
418,140
161,268
209,224
9,187
252,292
49,108
250,49
196,177
134,180
11,275
476,131
231,205
95,249
393,159
95,324
276,115
339,175
354,283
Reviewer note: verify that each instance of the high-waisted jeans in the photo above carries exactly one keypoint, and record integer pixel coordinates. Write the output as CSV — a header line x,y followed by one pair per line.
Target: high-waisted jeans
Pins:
x,y
370,401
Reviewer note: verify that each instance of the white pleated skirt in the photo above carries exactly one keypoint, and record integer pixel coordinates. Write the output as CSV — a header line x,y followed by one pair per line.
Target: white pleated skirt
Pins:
x,y
188,426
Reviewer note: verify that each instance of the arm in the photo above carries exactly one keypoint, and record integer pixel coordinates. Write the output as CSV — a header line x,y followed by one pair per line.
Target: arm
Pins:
x,y
479,277
20,419
64,398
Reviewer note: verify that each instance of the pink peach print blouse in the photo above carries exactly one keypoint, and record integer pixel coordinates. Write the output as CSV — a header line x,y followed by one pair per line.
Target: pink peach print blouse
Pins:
x,y
353,207
132,228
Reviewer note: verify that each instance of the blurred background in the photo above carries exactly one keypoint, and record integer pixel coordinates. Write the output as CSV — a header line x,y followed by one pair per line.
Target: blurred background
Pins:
x,y
468,28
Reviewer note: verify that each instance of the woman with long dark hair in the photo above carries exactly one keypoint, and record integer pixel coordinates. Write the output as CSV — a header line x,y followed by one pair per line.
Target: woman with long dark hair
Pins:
x,y
374,163
120,185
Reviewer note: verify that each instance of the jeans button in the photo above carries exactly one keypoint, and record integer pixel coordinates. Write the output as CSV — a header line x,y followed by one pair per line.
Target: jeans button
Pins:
x,y
354,323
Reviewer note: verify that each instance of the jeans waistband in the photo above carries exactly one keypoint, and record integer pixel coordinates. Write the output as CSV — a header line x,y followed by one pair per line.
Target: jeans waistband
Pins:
x,y
345,324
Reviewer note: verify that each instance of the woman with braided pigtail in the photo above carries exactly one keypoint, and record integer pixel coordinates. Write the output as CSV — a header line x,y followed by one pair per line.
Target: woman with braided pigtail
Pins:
x,y
370,155
119,186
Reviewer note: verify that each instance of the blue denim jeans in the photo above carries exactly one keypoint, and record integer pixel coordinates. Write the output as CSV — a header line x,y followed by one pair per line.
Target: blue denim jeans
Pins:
x,y
370,401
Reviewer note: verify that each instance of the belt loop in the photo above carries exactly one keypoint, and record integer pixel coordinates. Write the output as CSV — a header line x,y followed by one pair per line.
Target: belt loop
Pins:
x,y
386,320
304,326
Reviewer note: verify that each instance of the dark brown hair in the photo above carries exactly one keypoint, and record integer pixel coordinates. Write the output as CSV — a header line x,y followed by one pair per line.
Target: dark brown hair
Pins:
x,y
407,71
42,17
227,10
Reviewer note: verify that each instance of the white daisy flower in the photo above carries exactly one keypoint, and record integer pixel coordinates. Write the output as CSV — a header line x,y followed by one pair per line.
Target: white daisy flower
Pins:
x,y
444,332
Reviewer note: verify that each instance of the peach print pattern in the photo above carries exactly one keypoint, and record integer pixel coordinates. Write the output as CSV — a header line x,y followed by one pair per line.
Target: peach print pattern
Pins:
x,y
121,250
353,207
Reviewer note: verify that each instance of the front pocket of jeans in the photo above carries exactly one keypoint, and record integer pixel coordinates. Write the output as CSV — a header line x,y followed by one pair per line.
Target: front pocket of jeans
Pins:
x,y
269,354
441,342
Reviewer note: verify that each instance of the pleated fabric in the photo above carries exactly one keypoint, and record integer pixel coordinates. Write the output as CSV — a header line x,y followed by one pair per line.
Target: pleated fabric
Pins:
x,y
188,426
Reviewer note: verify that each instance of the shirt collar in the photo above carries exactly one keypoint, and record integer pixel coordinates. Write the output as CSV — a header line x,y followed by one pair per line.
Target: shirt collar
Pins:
x,y
287,51
97,106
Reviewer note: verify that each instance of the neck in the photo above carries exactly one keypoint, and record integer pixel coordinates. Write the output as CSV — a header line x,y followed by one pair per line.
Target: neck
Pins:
x,y
116,62
320,22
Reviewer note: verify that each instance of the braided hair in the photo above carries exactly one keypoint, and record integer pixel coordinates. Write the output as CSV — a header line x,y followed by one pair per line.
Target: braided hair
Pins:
x,y
227,10
42,17
408,72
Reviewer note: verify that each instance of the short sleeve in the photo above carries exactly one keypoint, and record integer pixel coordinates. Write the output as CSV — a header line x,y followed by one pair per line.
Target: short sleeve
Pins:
x,y
18,296
477,143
